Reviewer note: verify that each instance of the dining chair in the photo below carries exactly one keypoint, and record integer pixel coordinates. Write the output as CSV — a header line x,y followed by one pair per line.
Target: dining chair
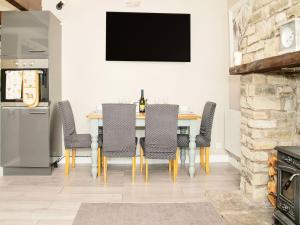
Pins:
x,y
119,139
204,138
72,140
160,141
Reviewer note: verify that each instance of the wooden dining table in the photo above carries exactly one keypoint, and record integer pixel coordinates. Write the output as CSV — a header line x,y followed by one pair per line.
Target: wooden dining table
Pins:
x,y
187,124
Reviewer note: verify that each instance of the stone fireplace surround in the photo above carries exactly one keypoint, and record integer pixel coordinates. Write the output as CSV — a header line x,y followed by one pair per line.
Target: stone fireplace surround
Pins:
x,y
270,112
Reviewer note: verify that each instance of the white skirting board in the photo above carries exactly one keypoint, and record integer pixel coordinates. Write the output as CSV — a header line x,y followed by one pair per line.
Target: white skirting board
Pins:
x,y
233,132
87,160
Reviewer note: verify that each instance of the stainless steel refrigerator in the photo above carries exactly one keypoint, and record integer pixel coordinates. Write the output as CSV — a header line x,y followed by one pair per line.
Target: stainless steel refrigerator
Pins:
x,y
31,138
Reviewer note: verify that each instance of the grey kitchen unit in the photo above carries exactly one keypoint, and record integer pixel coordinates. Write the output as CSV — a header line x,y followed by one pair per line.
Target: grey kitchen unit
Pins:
x,y
31,138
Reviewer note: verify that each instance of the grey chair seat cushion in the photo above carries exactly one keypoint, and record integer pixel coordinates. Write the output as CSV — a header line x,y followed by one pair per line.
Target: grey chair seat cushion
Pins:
x,y
120,154
78,141
156,155
183,140
202,141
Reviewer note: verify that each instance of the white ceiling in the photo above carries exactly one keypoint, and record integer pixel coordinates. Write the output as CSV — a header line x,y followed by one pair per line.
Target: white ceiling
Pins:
x,y
5,6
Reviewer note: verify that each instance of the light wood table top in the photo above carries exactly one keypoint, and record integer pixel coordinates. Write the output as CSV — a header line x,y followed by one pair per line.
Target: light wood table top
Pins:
x,y
94,115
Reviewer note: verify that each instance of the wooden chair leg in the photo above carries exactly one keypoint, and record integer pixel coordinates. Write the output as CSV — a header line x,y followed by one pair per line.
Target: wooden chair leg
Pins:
x,y
146,178
67,159
102,161
202,163
207,151
73,157
177,160
170,166
174,170
99,162
105,169
133,169
141,159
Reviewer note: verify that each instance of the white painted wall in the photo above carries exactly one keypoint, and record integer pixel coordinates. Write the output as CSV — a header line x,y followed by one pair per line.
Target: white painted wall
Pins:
x,y
88,80
233,114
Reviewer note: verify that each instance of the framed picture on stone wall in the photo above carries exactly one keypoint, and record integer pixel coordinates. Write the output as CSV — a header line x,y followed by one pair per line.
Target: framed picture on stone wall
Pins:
x,y
238,15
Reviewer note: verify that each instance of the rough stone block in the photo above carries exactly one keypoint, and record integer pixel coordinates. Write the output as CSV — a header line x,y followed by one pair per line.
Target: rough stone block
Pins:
x,y
256,133
261,90
257,4
277,115
278,6
259,54
282,134
285,143
255,156
271,47
261,144
253,79
254,167
260,115
262,123
255,46
265,28
250,30
243,139
244,45
244,128
294,11
256,115
244,90
280,17
255,178
264,103
259,178
243,102
247,58
256,16
288,103
244,121
258,193
277,80
251,39
285,90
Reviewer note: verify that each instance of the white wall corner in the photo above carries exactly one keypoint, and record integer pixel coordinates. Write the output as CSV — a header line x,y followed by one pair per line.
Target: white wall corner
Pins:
x,y
234,161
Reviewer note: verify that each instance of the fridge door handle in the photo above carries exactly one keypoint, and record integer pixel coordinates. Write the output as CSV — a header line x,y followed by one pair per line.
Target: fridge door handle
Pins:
x,y
36,51
37,112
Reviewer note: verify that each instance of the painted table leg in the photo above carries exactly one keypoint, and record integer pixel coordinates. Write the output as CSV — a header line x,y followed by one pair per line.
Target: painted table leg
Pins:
x,y
192,151
94,147
183,130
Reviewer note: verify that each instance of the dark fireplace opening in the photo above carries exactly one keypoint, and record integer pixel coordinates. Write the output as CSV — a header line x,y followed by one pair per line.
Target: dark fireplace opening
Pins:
x,y
287,210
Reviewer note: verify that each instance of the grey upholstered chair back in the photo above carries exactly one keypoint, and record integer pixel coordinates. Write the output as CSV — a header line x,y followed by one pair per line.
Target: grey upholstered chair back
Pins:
x,y
161,128
119,128
207,120
67,117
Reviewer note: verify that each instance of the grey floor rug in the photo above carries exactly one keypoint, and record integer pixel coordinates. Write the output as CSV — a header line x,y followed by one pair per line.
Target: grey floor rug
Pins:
x,y
144,214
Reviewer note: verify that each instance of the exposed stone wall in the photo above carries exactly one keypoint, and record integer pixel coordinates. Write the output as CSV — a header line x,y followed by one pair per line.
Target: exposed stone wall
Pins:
x,y
262,36
269,118
270,104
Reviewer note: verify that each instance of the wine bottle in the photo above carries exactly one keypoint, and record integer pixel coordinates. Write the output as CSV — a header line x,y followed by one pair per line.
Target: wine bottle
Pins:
x,y
142,102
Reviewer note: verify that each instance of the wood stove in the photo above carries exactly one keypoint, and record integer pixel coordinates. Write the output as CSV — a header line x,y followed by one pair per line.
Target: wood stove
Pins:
x,y
287,210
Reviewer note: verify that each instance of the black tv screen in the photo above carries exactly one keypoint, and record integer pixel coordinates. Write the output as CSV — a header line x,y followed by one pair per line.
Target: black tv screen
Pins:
x,y
148,37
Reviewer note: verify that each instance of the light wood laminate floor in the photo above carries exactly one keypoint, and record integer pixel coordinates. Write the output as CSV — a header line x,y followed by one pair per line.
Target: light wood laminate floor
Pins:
x,y
54,200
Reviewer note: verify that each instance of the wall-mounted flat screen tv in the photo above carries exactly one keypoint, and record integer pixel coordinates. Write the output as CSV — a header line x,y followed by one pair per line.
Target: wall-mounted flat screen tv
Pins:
x,y
148,37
